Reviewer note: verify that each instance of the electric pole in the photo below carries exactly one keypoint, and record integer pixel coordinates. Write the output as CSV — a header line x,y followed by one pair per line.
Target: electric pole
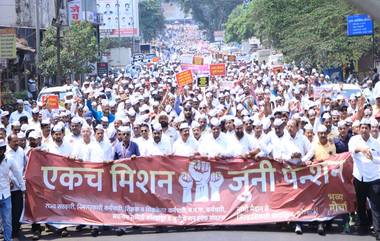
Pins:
x,y
37,12
58,42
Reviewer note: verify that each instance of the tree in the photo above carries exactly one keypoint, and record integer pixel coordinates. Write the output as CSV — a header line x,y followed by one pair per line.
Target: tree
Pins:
x,y
211,14
310,32
151,18
239,26
78,50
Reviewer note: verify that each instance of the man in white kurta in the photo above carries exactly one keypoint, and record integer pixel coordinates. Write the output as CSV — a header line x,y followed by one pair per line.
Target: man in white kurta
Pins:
x,y
87,149
216,143
186,145
160,144
104,146
277,143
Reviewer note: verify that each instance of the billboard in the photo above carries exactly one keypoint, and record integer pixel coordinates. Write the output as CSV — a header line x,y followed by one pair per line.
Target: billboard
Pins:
x,y
8,43
74,8
119,16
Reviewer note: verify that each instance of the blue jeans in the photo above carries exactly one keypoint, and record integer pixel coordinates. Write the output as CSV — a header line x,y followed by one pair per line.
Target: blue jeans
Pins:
x,y
6,216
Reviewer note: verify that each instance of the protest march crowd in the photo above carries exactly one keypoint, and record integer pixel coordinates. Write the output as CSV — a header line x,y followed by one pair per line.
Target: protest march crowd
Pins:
x,y
251,111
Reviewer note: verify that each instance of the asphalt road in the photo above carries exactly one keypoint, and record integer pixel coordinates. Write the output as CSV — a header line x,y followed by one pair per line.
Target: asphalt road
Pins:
x,y
241,233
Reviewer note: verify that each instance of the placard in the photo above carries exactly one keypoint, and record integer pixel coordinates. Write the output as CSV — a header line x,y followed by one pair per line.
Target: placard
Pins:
x,y
51,100
198,60
203,81
217,69
231,58
184,78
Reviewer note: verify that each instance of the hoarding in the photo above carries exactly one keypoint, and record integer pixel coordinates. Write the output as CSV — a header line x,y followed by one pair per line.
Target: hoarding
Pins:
x,y
119,16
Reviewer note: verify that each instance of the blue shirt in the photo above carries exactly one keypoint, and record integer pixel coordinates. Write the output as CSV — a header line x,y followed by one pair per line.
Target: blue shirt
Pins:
x,y
341,145
99,114
121,151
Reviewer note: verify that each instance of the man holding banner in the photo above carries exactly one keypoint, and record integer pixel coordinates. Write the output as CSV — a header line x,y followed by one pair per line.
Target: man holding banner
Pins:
x,y
365,153
7,167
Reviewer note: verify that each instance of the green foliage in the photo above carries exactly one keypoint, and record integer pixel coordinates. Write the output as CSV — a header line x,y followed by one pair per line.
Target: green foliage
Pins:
x,y
311,32
109,43
151,19
78,50
211,14
240,25
48,62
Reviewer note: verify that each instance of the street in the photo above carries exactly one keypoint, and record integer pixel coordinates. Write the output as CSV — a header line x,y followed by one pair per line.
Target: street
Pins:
x,y
243,233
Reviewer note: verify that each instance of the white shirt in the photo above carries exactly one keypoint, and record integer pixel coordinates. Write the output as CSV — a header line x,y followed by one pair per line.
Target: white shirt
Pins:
x,y
46,114
64,149
255,140
6,167
365,170
16,115
242,146
171,133
280,147
302,143
71,138
209,146
46,140
185,148
143,144
230,134
18,157
87,152
36,125
164,147
105,149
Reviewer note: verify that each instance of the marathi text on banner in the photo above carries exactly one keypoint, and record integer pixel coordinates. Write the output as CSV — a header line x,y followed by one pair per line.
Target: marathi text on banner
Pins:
x,y
217,69
196,69
177,190
51,100
184,78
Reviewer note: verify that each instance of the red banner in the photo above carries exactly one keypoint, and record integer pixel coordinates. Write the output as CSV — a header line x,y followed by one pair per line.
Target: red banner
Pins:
x,y
176,190
217,69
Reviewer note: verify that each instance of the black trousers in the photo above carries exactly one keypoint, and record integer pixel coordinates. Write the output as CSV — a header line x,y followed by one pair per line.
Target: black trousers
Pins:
x,y
36,227
370,190
17,206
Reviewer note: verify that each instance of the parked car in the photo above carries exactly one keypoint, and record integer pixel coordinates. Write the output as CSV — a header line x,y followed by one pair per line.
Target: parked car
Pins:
x,y
60,91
